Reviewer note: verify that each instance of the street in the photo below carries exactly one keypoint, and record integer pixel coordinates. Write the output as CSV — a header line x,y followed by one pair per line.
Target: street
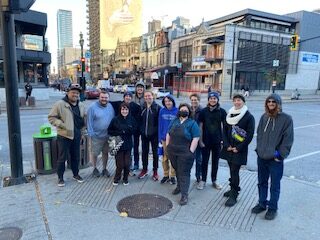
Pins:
x,y
303,162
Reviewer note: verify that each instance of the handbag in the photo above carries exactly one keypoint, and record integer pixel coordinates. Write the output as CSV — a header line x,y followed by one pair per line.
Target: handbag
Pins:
x,y
115,143
238,133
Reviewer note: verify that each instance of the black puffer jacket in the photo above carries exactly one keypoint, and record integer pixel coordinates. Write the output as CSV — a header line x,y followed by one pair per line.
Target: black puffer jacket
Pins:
x,y
123,127
246,123
149,120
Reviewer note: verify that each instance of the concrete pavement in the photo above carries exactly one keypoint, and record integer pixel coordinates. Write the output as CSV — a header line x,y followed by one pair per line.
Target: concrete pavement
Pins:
x,y
88,210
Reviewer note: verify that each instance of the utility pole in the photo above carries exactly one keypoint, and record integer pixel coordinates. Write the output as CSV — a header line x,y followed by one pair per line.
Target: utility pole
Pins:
x,y
232,61
11,86
83,65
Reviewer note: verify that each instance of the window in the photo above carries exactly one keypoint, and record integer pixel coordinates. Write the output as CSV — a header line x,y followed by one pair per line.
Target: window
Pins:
x,y
203,50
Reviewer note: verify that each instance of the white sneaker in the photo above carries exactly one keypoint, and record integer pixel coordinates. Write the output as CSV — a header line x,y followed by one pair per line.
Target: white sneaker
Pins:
x,y
201,185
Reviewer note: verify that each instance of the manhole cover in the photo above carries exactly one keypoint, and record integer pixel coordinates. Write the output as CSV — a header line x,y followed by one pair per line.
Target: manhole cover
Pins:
x,y
10,233
144,205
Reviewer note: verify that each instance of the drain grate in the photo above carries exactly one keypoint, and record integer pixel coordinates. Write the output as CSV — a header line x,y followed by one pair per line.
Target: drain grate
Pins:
x,y
144,205
10,233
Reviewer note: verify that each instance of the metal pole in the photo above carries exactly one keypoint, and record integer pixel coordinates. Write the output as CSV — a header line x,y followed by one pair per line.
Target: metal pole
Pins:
x,y
232,61
12,98
164,81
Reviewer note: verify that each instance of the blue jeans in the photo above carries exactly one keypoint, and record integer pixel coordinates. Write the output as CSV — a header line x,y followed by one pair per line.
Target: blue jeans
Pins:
x,y
274,170
198,160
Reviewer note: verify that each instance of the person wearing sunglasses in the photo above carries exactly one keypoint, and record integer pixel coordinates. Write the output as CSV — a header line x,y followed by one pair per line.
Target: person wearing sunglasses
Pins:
x,y
274,141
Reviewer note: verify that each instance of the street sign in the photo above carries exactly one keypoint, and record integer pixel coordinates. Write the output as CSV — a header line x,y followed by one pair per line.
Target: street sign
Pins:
x,y
275,63
88,54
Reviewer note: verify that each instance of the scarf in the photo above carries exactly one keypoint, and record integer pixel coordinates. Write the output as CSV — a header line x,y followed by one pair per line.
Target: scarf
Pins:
x,y
239,113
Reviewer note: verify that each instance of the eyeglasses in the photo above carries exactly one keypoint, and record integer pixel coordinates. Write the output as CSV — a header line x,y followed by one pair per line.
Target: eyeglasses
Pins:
x,y
271,101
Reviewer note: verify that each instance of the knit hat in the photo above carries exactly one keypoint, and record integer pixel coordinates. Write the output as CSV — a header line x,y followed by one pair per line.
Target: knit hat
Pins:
x,y
213,94
239,95
140,83
74,86
127,94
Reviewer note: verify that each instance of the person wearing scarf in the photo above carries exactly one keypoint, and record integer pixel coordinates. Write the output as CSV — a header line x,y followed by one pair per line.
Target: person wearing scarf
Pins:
x,y
238,132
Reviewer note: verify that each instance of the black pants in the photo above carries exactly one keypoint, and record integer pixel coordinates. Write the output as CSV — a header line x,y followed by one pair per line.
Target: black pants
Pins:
x,y
123,163
234,176
182,164
145,151
28,94
136,140
65,147
216,148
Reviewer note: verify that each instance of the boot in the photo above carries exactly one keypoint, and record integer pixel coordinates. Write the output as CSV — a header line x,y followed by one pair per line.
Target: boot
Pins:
x,y
232,200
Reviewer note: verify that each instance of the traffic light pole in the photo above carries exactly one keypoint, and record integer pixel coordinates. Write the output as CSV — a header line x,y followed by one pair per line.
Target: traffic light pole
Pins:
x,y
12,98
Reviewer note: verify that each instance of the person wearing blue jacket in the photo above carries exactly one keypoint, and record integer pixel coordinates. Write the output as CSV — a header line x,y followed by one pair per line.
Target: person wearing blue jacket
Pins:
x,y
99,116
166,115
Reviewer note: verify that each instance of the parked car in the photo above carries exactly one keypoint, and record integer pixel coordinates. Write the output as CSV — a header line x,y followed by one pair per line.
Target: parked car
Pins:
x,y
160,92
117,88
128,88
91,93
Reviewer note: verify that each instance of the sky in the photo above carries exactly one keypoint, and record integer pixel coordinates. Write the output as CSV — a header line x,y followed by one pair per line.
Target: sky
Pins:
x,y
168,10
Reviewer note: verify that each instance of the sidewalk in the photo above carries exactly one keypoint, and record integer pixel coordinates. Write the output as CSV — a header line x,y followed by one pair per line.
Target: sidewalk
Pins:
x,y
88,210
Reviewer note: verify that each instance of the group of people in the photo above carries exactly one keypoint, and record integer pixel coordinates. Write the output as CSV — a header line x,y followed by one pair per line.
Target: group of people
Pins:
x,y
181,134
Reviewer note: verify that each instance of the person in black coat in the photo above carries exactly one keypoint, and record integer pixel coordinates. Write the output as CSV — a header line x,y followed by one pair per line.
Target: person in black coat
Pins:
x,y
238,132
124,126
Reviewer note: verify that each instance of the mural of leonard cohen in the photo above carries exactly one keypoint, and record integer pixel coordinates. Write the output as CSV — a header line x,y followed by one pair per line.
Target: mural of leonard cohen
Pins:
x,y
119,19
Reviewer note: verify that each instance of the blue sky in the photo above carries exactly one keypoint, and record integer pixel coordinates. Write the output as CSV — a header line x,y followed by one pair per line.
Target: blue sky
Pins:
x,y
195,10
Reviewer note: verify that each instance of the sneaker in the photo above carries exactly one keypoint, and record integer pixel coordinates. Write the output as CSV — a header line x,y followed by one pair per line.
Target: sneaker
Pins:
x,y
201,185
173,180
231,201
258,209
183,201
270,214
164,180
143,174
78,179
125,182
216,186
227,193
61,183
155,175
96,172
115,183
176,191
105,173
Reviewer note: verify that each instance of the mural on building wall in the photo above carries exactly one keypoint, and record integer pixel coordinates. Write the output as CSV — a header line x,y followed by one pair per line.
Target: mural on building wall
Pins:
x,y
119,20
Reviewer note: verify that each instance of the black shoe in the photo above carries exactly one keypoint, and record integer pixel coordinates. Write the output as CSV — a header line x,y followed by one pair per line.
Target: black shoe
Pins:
x,y
105,173
78,179
172,180
270,214
96,172
176,191
164,180
258,209
227,193
115,183
125,182
61,183
231,201
183,201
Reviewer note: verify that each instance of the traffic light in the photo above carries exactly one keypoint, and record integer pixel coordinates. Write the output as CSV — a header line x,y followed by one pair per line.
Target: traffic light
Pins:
x,y
294,42
83,64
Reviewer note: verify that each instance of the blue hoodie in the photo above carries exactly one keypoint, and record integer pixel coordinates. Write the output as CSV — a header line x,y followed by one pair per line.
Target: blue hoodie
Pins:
x,y
165,117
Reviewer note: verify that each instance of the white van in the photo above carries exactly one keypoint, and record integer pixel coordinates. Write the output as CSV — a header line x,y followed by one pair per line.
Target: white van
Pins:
x,y
103,84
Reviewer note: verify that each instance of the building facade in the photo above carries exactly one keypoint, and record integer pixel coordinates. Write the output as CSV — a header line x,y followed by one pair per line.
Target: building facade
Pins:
x,y
33,57
64,34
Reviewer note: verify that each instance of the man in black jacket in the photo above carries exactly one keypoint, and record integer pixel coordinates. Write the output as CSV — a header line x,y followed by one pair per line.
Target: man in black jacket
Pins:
x,y
211,120
274,142
149,134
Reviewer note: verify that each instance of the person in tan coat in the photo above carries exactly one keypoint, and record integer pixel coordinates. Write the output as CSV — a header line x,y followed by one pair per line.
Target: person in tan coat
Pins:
x,y
68,116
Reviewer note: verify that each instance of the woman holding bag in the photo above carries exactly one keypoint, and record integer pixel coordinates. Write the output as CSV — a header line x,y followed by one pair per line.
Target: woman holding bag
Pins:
x,y
238,132
124,126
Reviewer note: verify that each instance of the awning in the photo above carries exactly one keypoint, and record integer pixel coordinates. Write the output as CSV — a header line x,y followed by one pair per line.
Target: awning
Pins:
x,y
200,73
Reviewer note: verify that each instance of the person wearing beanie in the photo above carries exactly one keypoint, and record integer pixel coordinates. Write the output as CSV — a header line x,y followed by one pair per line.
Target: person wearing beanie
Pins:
x,y
138,96
211,119
275,137
238,132
166,115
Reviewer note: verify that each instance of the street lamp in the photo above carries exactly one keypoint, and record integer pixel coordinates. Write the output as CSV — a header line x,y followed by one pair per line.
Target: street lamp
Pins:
x,y
83,62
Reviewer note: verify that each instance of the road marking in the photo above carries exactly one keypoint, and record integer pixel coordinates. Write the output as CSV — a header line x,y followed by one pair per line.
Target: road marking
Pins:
x,y
301,156
307,126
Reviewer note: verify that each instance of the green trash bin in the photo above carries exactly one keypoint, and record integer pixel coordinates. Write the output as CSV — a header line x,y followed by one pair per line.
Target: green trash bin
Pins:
x,y
45,150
